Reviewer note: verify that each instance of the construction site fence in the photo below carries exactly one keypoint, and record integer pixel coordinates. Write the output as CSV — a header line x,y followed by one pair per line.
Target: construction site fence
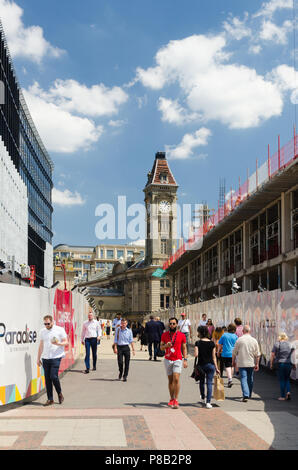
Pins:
x,y
267,313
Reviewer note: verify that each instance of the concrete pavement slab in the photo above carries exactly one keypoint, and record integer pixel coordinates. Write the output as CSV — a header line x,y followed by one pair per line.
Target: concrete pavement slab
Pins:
x,y
101,412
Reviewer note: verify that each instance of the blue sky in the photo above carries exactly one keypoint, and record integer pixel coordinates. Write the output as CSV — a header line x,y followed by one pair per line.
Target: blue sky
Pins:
x,y
111,82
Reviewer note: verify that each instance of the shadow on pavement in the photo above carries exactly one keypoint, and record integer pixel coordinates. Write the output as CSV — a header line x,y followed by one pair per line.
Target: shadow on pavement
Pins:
x,y
106,380
281,414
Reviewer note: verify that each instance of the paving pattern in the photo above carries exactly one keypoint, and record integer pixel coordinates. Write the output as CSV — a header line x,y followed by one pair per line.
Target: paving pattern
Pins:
x,y
102,413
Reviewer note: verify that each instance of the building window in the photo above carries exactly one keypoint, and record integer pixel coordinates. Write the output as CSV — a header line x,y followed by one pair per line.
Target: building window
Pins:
x,y
129,254
163,249
163,177
101,253
120,254
110,254
162,283
77,264
164,301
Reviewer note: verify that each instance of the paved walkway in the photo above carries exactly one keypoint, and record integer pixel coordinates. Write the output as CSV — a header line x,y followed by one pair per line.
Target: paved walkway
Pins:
x,y
100,412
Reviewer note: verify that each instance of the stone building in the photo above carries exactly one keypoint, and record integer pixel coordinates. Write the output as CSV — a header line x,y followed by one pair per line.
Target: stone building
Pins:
x,y
142,292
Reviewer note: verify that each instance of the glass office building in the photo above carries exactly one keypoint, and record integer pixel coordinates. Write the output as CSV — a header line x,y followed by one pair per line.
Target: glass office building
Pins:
x,y
32,161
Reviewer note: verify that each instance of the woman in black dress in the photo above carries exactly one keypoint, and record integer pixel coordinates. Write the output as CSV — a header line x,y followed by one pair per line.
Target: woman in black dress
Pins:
x,y
143,337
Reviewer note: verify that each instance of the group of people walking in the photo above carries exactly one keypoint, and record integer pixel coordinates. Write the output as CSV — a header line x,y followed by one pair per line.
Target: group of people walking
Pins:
x,y
232,348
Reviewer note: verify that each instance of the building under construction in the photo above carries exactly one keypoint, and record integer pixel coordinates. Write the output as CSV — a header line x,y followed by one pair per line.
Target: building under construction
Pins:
x,y
252,240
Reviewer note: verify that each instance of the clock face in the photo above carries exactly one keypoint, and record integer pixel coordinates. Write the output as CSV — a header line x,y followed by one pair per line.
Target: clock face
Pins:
x,y
164,206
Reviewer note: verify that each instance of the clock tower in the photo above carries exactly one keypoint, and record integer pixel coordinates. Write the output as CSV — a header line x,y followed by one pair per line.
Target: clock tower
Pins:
x,y
161,212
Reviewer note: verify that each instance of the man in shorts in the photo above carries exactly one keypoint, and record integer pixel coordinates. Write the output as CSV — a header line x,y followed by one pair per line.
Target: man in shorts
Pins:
x,y
173,342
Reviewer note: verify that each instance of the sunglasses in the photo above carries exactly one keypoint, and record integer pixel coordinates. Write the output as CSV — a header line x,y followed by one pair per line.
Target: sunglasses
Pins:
x,y
172,323
47,324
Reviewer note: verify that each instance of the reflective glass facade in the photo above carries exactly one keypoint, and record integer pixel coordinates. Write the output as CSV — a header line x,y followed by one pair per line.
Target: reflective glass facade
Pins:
x,y
29,156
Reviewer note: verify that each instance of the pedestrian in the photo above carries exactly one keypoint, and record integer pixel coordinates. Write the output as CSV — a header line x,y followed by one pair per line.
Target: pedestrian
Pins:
x,y
116,322
143,337
162,328
161,325
247,353
203,322
134,330
90,337
227,343
239,327
123,339
108,329
205,351
152,331
282,353
217,334
173,342
53,340
184,325
210,327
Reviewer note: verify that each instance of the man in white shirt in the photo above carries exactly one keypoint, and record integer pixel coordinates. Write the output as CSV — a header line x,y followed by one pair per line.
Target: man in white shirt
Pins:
x,y
203,322
116,322
91,334
248,354
184,326
53,340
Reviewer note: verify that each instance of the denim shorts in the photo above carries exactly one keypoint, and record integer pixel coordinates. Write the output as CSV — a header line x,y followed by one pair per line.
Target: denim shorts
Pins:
x,y
173,367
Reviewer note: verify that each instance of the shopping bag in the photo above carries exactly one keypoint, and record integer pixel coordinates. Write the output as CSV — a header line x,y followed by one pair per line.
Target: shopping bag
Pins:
x,y
219,390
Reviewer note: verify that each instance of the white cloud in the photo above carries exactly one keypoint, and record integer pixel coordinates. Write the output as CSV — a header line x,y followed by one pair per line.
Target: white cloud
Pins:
x,y
230,93
62,114
173,113
285,78
237,28
67,198
26,42
60,130
98,100
117,123
189,142
277,34
255,49
269,8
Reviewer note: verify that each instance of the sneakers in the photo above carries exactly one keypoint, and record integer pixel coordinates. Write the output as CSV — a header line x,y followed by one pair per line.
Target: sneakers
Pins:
x,y
244,399
175,404
208,405
230,383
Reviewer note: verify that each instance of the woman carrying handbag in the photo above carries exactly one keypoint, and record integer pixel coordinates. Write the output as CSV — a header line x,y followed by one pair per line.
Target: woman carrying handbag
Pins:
x,y
206,360
281,355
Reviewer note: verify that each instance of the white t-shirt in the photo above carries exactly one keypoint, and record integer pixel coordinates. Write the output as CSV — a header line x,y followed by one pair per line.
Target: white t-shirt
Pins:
x,y
50,350
203,323
184,325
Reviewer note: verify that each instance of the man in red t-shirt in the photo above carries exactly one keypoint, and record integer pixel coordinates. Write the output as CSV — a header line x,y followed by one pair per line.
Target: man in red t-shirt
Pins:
x,y
172,342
